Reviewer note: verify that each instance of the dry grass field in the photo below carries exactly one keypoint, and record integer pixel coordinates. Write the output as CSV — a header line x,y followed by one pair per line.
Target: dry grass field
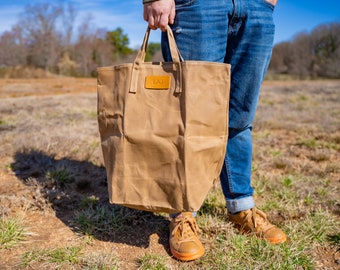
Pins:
x,y
54,211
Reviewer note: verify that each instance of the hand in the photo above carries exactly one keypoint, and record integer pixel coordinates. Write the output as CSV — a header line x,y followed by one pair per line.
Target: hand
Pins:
x,y
159,13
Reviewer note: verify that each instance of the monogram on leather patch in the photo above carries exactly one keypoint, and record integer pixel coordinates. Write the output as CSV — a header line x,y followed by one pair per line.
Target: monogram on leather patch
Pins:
x,y
157,82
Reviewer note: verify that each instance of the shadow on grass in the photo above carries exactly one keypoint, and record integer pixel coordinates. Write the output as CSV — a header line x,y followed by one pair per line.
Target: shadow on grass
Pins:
x,y
77,192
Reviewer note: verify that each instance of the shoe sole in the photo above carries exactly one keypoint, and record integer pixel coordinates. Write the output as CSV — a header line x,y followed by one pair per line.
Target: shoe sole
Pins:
x,y
276,241
186,256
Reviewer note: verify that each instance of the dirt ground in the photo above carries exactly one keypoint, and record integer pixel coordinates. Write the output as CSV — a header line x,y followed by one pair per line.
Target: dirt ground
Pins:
x,y
51,123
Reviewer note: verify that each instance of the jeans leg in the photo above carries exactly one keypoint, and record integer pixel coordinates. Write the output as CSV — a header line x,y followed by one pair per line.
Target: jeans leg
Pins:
x,y
239,32
250,39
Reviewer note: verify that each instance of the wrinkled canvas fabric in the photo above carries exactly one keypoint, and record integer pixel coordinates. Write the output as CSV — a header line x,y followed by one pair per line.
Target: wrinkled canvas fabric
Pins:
x,y
163,129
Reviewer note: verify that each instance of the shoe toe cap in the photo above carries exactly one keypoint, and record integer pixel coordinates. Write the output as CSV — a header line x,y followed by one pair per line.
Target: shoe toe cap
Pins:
x,y
275,236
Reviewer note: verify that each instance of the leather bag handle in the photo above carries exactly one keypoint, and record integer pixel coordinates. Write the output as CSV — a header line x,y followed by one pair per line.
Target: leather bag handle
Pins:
x,y
140,59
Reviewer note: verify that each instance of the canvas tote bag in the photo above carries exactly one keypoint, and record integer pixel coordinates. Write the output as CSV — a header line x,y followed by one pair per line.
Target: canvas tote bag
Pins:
x,y
163,129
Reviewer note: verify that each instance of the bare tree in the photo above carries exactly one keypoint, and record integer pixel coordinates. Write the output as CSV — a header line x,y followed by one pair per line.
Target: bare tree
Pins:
x,y
68,19
39,25
45,38
103,50
13,48
315,54
83,48
326,49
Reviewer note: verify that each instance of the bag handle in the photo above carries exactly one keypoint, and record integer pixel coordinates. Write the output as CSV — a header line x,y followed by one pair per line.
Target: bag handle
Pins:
x,y
175,54
140,59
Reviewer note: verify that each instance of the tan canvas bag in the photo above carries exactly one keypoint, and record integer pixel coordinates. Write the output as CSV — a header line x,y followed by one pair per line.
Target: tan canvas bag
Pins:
x,y
163,129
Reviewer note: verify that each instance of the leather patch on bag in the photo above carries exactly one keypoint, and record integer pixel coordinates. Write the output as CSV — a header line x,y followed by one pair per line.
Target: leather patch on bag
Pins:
x,y
157,82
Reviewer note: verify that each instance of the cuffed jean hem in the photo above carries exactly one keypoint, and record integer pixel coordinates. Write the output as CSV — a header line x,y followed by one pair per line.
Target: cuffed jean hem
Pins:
x,y
241,204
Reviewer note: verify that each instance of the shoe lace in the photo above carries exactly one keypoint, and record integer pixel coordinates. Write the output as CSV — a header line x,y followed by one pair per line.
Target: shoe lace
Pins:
x,y
259,219
187,227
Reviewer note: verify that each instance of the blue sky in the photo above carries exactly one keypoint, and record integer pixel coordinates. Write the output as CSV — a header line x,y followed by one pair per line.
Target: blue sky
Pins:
x,y
291,16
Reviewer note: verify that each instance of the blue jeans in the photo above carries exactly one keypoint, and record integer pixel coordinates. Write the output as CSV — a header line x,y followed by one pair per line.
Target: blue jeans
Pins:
x,y
241,33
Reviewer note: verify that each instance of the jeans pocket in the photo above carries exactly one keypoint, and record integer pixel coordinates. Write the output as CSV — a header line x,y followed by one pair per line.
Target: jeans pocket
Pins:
x,y
184,3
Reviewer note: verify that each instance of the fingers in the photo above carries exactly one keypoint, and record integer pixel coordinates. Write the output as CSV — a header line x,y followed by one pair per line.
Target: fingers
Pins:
x,y
150,17
157,21
172,15
151,22
163,22
159,14
165,19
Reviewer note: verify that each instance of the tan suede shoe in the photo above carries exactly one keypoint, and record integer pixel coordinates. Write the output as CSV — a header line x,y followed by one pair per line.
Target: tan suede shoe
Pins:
x,y
185,244
255,221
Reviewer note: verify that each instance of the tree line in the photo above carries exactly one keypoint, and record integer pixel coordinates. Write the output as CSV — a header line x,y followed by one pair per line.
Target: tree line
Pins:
x,y
46,37
309,55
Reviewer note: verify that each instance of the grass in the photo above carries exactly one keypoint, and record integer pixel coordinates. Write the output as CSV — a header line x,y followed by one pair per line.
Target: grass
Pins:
x,y
230,250
94,220
314,227
12,232
153,262
56,172
100,261
60,255
98,219
69,258
240,252
91,114
214,203
60,177
334,239
89,202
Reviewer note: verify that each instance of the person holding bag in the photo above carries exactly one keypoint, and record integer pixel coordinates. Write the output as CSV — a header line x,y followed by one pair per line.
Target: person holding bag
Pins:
x,y
240,33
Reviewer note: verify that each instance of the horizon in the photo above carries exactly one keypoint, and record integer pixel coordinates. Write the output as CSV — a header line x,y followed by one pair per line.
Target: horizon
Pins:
x,y
291,18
